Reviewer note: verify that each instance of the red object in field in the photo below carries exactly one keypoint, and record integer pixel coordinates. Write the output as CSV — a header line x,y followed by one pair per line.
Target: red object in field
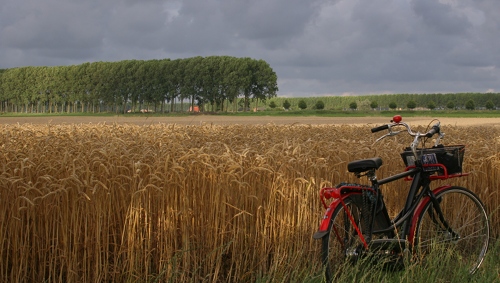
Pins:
x,y
194,109
397,118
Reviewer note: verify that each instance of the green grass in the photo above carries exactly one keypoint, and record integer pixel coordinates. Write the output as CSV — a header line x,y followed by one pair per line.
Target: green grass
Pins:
x,y
292,113
370,113
60,114
439,266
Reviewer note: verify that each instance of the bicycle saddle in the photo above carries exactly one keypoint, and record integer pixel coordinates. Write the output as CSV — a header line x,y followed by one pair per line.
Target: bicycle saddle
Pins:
x,y
364,165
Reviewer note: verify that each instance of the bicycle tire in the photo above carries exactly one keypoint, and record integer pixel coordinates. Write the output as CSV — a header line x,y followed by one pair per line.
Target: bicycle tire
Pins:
x,y
341,241
468,239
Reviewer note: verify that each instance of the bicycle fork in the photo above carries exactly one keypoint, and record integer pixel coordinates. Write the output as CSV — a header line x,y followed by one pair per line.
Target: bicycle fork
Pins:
x,y
435,213
441,221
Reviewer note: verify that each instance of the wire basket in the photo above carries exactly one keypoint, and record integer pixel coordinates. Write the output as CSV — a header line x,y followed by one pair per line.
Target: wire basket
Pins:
x,y
449,157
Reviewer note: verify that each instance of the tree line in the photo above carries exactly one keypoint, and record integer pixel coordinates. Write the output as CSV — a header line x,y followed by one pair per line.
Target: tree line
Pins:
x,y
215,82
450,101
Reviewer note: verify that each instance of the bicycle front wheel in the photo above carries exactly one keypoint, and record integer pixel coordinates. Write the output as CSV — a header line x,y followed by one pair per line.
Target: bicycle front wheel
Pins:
x,y
342,242
463,231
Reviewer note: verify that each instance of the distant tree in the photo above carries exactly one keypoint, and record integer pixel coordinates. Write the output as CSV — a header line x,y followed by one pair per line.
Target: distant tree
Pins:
x,y
319,105
244,104
450,105
353,105
489,105
302,104
411,104
431,105
272,105
373,104
393,105
469,105
286,104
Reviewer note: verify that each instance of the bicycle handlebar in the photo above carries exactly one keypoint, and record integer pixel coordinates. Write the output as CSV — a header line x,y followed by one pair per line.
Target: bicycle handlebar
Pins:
x,y
396,121
380,128
434,130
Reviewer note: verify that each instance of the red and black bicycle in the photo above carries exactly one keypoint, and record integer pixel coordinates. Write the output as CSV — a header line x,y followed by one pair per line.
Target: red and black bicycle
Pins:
x,y
356,223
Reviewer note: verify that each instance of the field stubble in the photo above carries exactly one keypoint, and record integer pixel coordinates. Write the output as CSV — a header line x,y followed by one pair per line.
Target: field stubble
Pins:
x,y
121,202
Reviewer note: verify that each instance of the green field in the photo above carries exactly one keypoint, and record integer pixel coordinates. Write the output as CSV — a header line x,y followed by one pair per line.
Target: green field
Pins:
x,y
292,113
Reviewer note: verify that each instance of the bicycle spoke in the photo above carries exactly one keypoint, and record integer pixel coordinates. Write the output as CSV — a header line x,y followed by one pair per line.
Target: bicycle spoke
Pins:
x,y
467,229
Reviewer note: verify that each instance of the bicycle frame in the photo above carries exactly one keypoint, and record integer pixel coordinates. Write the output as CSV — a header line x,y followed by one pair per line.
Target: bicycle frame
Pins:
x,y
356,223
418,196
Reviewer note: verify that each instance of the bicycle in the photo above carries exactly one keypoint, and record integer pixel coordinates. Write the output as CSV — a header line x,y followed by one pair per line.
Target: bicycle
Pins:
x,y
356,223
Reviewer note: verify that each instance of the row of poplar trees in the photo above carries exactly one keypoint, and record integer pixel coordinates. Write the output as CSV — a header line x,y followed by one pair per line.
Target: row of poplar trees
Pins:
x,y
215,82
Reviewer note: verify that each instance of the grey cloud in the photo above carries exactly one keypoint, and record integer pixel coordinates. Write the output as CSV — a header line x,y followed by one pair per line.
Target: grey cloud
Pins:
x,y
441,18
316,47
273,23
41,26
137,25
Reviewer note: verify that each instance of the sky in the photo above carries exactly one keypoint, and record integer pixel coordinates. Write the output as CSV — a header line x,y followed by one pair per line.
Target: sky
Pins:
x,y
316,47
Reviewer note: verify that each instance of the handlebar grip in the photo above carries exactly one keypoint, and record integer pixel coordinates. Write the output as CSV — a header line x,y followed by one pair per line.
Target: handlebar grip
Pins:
x,y
433,131
380,128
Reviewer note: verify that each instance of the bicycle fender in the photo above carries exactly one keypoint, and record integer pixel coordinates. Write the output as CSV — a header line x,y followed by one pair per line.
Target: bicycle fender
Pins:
x,y
418,211
325,222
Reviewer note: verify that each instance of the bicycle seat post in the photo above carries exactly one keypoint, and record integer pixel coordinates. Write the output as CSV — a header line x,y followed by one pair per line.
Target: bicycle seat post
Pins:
x,y
370,174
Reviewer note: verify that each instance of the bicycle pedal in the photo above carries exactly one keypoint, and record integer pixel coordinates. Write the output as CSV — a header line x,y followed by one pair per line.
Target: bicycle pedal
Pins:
x,y
388,252
388,245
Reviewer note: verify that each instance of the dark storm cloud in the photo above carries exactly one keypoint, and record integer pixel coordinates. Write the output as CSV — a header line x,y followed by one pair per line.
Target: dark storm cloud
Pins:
x,y
440,17
272,23
40,25
316,47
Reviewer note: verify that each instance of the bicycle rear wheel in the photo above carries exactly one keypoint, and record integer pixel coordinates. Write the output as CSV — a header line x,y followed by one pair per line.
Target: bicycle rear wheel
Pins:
x,y
465,232
342,242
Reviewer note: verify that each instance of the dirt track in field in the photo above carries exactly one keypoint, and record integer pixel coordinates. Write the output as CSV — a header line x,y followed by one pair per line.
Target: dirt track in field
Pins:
x,y
246,120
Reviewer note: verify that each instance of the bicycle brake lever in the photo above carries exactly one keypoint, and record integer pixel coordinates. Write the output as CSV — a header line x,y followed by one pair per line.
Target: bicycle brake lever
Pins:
x,y
438,139
393,133
390,134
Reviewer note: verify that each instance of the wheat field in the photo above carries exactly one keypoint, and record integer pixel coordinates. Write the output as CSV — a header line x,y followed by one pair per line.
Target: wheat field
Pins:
x,y
205,203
